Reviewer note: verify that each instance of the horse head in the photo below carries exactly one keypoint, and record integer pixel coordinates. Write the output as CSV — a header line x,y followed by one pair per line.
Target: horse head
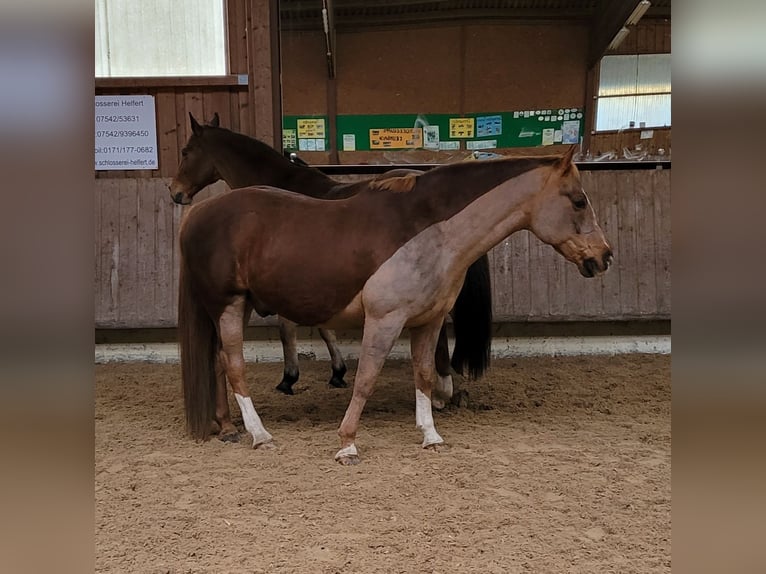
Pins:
x,y
197,168
562,216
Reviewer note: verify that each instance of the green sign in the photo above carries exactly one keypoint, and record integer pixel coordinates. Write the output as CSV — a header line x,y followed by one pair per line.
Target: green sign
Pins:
x,y
478,131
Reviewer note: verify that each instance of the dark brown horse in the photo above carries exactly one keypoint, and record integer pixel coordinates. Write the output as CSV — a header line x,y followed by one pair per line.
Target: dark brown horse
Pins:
x,y
390,256
214,153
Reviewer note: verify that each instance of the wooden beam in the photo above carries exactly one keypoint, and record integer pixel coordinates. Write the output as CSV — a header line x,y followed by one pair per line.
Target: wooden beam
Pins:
x,y
609,18
263,63
171,81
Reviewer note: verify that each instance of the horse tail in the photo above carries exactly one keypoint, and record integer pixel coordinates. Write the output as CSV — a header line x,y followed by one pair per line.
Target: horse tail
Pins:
x,y
198,340
472,321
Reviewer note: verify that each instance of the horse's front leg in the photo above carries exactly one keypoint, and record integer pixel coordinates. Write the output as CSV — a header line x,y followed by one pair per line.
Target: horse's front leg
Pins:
x,y
336,357
422,345
230,328
288,334
443,388
378,338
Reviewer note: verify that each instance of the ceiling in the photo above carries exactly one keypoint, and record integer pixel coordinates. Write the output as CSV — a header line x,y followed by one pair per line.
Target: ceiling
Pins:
x,y
357,14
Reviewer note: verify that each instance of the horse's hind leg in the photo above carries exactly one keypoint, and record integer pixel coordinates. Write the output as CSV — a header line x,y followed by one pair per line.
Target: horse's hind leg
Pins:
x,y
379,336
443,388
338,364
228,432
423,344
288,335
230,328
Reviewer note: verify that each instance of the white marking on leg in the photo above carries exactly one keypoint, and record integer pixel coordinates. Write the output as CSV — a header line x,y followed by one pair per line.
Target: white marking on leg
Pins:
x,y
252,421
350,450
424,419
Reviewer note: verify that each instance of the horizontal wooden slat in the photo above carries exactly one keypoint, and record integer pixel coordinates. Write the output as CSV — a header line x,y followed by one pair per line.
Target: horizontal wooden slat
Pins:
x,y
172,82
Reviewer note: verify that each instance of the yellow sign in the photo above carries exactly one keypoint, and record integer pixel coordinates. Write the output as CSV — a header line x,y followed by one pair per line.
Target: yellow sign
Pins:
x,y
311,128
396,138
461,127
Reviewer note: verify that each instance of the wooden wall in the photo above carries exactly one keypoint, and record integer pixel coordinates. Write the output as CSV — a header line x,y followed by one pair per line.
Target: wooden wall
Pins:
x,y
136,256
453,68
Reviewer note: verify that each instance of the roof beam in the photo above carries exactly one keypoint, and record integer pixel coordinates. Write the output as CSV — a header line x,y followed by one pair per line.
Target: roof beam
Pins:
x,y
609,18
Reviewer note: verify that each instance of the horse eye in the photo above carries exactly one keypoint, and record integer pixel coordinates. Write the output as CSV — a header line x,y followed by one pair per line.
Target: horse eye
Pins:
x,y
580,203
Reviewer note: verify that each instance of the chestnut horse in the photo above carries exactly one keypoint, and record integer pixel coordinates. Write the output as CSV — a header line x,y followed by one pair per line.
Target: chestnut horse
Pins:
x,y
214,153
390,256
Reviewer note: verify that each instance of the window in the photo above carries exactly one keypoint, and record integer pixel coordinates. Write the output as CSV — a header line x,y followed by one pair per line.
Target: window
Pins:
x,y
633,89
160,38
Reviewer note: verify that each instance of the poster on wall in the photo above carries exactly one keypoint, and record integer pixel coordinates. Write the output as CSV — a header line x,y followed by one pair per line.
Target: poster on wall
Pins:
x,y
349,142
461,127
431,136
570,132
311,128
126,133
396,138
289,139
487,126
311,134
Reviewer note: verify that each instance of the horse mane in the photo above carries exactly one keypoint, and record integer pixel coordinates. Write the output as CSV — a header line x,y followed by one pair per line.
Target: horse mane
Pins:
x,y
401,184
244,144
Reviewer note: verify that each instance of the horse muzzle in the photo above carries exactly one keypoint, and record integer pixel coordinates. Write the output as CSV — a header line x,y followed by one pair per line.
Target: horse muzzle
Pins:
x,y
181,198
591,266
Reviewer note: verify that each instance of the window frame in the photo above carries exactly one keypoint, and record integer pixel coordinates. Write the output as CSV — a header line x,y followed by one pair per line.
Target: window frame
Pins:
x,y
634,94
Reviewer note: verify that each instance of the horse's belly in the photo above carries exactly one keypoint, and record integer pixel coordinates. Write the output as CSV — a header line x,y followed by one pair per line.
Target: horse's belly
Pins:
x,y
350,317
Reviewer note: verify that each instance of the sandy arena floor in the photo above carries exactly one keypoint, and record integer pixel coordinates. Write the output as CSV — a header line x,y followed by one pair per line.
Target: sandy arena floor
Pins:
x,y
557,465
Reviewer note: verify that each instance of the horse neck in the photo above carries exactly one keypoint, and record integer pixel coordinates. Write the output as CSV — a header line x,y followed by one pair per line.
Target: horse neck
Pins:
x,y
244,166
499,212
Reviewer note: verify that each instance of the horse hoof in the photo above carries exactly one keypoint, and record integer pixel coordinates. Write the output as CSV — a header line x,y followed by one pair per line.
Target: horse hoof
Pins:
x,y
437,447
438,404
286,388
350,460
460,399
338,383
268,445
229,437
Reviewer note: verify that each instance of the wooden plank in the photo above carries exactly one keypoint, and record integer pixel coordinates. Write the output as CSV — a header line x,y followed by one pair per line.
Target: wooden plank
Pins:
x,y
167,82
146,271
193,104
237,35
217,102
557,286
97,233
663,236
106,307
522,297
183,127
164,241
646,253
628,244
607,214
167,138
128,253
501,264
539,306
178,213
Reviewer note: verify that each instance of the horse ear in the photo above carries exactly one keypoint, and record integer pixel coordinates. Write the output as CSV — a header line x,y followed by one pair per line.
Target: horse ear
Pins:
x,y
566,160
216,121
196,128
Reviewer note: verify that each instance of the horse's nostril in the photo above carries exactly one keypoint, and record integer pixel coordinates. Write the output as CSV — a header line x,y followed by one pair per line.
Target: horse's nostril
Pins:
x,y
608,258
591,266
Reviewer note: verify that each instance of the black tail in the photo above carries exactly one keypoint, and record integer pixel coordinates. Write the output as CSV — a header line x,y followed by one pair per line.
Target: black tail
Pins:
x,y
198,343
472,321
